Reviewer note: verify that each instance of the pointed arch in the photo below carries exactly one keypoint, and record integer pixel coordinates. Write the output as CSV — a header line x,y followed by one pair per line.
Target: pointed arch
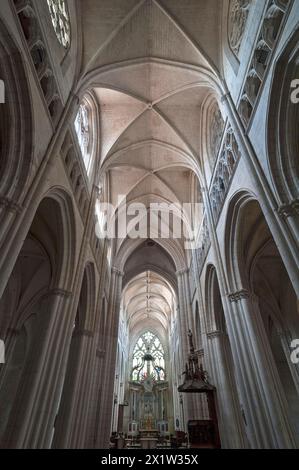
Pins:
x,y
16,123
283,124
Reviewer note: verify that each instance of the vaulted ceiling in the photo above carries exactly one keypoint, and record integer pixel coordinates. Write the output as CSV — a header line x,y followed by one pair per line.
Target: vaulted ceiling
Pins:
x,y
186,31
152,65
149,302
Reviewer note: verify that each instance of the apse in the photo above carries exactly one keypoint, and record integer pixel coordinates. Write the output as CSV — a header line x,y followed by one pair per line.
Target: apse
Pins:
x,y
144,368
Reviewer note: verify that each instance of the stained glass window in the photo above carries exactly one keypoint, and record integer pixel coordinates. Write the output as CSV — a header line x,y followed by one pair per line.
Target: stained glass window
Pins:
x,y
83,131
60,21
148,358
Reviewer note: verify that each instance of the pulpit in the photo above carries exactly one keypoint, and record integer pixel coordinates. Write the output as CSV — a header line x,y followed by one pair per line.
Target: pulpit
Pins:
x,y
202,433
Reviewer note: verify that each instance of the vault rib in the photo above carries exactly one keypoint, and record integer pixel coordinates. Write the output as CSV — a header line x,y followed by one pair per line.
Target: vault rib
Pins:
x,y
115,32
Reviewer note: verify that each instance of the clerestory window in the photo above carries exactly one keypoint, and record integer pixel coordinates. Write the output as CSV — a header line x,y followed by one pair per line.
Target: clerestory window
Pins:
x,y
60,21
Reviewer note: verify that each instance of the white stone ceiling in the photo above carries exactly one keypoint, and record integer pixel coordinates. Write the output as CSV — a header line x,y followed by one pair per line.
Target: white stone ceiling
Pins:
x,y
152,64
148,300
118,30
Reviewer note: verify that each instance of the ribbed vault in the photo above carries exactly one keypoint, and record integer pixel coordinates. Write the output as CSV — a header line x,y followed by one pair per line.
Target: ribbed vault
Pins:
x,y
151,66
148,300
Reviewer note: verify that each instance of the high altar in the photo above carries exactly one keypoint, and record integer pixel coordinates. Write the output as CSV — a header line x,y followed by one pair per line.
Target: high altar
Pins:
x,y
147,416
148,409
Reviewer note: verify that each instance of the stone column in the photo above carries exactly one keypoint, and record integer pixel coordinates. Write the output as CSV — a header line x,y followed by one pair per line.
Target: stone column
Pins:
x,y
71,423
230,420
184,306
9,251
32,419
94,409
9,210
265,407
9,378
96,365
110,365
289,214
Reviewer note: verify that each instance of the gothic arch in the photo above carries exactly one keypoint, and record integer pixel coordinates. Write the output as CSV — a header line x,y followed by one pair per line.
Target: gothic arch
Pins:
x,y
16,126
203,79
169,248
283,124
233,255
29,306
214,310
155,331
50,238
257,273
239,260
67,236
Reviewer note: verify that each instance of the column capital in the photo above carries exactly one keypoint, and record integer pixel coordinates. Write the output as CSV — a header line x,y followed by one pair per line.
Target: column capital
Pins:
x,y
87,333
183,271
117,271
215,334
58,293
289,210
98,189
10,205
225,97
13,331
100,353
239,295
